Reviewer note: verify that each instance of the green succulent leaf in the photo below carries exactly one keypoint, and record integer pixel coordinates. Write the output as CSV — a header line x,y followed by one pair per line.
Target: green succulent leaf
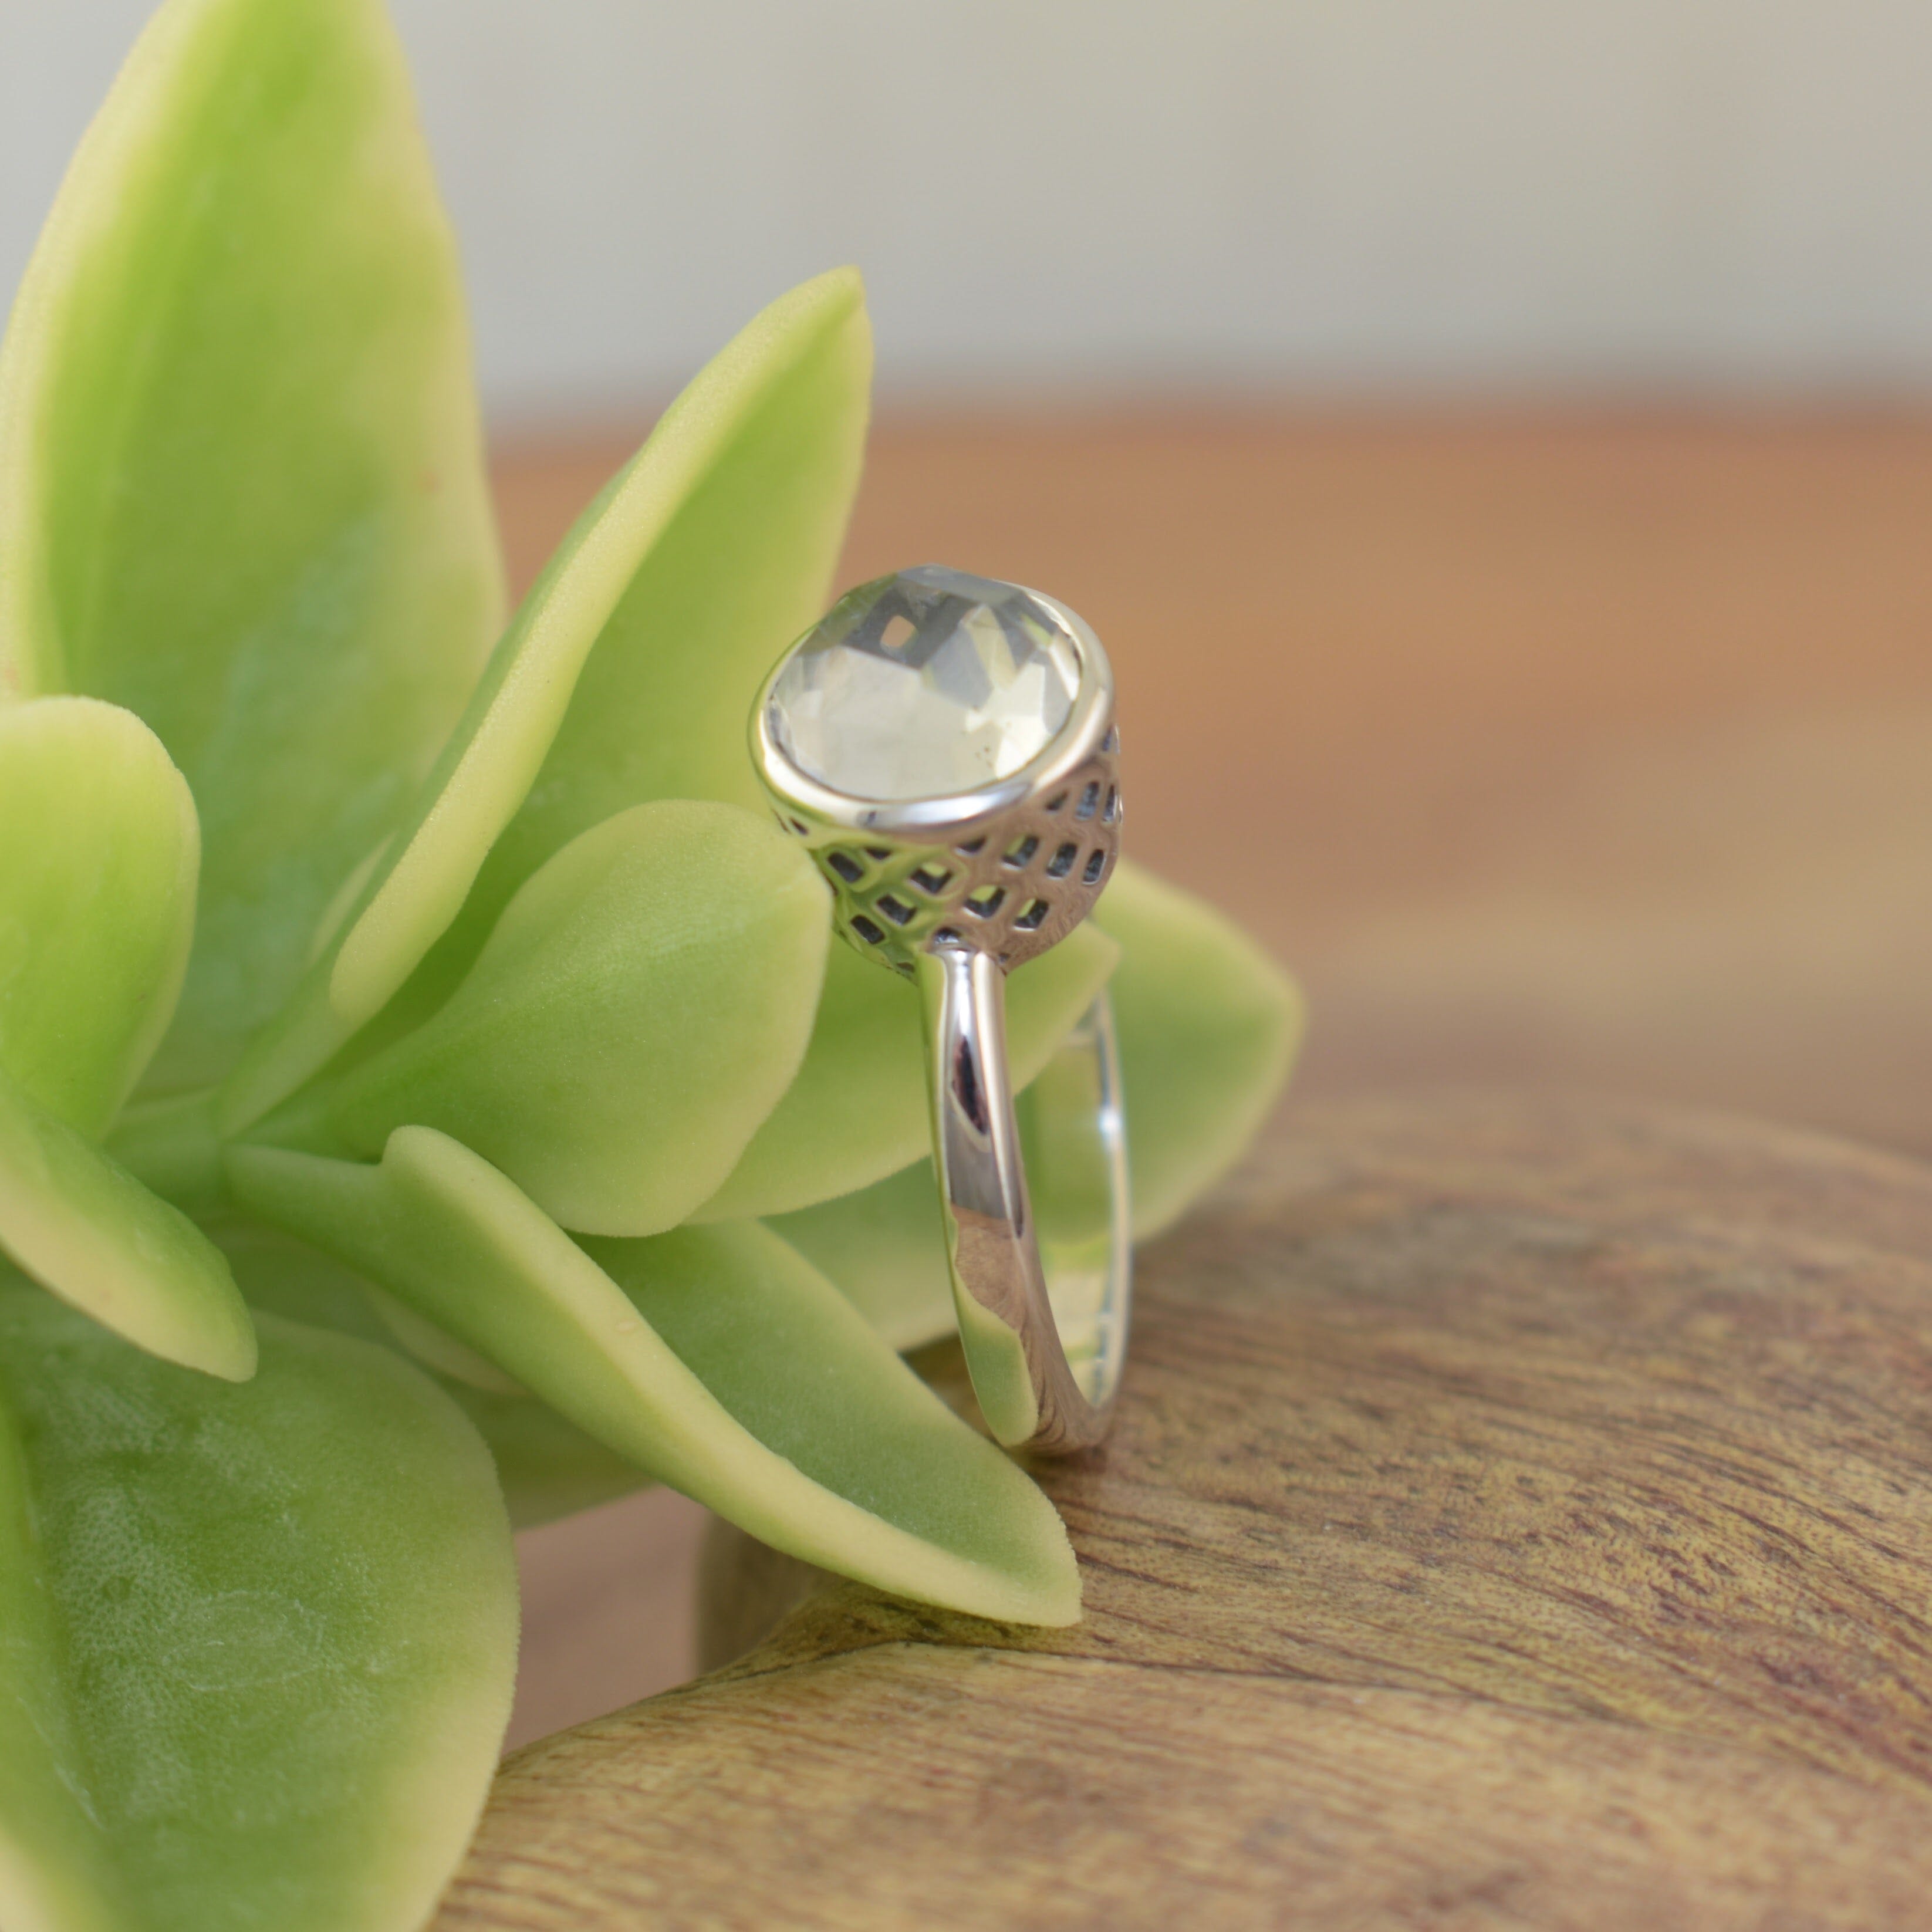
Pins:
x,y
718,1359
884,1250
84,1227
947,1516
1209,1028
168,1142
548,1467
97,869
644,1001
256,1644
437,1349
241,481
858,1110
56,1863
626,675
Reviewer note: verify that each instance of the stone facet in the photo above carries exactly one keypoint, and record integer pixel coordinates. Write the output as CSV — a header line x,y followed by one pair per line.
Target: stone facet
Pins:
x,y
926,684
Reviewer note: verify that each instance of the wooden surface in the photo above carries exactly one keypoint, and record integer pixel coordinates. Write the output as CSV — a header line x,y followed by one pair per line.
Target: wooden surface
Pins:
x,y
1587,751
1520,1514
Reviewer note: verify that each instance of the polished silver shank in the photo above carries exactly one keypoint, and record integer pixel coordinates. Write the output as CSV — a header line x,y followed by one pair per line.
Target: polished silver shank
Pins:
x,y
953,891
1044,1343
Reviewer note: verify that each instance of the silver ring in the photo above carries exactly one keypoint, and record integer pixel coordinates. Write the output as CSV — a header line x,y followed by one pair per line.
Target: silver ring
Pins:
x,y
944,744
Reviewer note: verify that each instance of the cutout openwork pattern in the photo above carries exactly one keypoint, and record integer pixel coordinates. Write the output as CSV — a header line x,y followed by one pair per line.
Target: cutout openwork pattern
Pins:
x,y
1013,887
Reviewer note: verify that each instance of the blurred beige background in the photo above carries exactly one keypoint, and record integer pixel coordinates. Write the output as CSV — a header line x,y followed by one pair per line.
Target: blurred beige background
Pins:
x,y
1493,438
1220,196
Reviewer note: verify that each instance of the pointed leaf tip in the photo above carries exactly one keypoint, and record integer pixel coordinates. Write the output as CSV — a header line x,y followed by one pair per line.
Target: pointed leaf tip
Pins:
x,y
98,873
84,1228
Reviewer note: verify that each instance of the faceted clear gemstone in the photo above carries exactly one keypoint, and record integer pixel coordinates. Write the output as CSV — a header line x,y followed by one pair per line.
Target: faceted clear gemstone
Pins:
x,y
924,685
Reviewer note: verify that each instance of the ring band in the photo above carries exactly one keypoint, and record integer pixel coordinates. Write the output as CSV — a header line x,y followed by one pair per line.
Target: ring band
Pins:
x,y
945,746
1042,1306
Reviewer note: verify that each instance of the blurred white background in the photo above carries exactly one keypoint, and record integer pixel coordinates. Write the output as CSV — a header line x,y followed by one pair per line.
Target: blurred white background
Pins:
x,y
1401,196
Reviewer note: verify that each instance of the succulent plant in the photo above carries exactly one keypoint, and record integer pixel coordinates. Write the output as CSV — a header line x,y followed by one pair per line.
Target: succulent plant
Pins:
x,y
427,1080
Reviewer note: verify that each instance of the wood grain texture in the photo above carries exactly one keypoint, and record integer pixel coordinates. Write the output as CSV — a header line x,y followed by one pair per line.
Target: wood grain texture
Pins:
x,y
1520,1515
